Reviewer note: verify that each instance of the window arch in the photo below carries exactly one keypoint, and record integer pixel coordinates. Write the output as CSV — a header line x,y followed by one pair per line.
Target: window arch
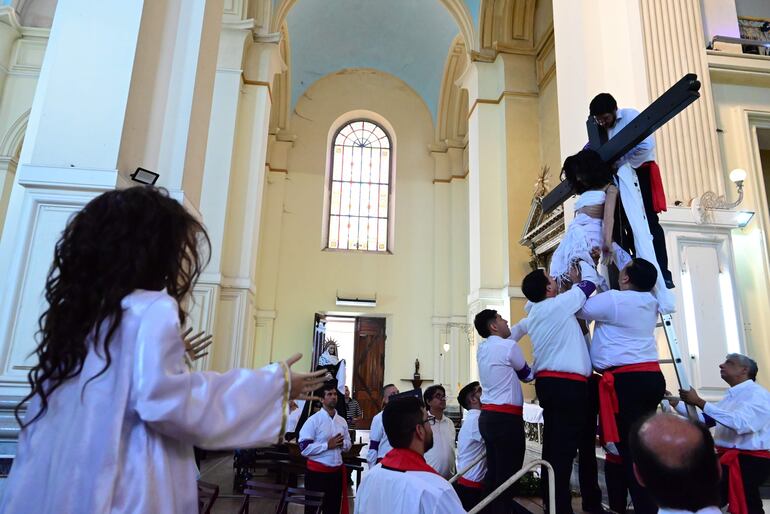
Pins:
x,y
360,188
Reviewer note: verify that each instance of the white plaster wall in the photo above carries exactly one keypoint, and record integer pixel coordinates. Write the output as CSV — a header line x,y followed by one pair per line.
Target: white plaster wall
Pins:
x,y
308,278
734,104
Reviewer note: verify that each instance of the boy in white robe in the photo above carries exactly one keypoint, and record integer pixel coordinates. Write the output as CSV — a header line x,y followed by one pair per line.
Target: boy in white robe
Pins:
x,y
403,481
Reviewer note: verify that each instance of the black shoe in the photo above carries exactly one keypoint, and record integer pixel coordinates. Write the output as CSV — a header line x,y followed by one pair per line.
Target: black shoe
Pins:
x,y
669,284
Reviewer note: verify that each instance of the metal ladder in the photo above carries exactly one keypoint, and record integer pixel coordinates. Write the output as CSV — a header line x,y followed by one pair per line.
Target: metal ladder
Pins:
x,y
667,323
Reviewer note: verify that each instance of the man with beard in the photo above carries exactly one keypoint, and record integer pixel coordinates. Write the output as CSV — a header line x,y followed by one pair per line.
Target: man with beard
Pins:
x,y
403,481
323,438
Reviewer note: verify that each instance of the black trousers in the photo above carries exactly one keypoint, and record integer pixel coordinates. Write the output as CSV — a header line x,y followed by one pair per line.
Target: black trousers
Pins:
x,y
469,496
639,394
564,404
658,237
588,473
754,471
504,439
328,483
617,490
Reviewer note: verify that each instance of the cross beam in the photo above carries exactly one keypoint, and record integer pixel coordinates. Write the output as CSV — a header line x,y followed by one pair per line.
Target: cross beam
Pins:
x,y
667,105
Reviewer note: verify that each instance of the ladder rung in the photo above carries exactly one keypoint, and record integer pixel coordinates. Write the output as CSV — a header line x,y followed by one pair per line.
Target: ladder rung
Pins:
x,y
665,361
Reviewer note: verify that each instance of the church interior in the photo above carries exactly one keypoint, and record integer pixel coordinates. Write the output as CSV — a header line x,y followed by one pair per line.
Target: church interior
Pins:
x,y
370,171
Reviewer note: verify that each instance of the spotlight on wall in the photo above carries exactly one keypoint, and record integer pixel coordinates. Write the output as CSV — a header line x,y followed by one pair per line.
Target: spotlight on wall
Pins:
x,y
357,302
144,176
447,347
743,218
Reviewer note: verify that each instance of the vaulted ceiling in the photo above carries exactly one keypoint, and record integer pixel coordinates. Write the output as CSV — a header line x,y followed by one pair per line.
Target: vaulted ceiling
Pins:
x,y
406,38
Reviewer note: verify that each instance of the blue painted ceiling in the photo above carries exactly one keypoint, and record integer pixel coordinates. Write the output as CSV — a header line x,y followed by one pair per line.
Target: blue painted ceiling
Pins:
x,y
406,38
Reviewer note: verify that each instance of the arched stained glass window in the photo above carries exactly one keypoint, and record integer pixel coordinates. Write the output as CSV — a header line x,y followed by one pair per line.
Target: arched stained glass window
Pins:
x,y
360,188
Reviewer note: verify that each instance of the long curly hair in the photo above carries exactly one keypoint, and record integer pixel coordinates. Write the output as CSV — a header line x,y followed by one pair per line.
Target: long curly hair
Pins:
x,y
585,171
122,240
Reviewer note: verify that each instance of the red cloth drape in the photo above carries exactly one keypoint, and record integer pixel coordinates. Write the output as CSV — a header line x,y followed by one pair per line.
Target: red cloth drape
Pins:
x,y
322,468
656,186
608,398
404,459
737,496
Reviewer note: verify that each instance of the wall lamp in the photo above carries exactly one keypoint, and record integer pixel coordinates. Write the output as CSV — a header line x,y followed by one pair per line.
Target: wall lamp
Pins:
x,y
710,201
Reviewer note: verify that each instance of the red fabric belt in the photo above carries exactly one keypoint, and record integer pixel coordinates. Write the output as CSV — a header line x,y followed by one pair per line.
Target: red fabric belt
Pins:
x,y
505,408
613,459
317,467
656,186
561,374
736,497
470,483
608,398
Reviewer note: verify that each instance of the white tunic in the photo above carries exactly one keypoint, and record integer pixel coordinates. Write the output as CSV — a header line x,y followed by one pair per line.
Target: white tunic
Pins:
x,y
501,365
379,446
742,417
385,491
315,434
124,443
624,332
442,456
557,341
470,446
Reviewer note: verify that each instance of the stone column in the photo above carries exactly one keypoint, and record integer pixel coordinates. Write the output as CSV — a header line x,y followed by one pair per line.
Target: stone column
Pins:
x,y
94,115
688,151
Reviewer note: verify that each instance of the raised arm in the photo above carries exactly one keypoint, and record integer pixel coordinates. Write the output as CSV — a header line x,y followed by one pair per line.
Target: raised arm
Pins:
x,y
241,408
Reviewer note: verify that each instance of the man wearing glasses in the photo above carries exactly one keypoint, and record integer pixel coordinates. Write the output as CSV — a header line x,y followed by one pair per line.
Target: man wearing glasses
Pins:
x,y
442,456
403,481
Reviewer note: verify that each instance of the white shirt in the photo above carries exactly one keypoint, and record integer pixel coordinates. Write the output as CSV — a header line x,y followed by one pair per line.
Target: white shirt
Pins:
x,y
625,328
501,365
113,445
385,491
379,445
742,417
557,341
315,434
706,510
641,153
442,456
470,446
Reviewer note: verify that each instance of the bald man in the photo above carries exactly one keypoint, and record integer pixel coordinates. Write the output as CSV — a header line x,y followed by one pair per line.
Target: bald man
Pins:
x,y
674,459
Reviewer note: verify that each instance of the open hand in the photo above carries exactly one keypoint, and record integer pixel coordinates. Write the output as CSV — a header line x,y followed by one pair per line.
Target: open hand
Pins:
x,y
574,272
691,397
302,384
194,345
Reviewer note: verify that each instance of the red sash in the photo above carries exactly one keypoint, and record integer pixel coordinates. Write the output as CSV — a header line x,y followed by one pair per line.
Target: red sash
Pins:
x,y
656,186
317,467
505,408
608,398
561,374
612,458
470,483
737,496
404,459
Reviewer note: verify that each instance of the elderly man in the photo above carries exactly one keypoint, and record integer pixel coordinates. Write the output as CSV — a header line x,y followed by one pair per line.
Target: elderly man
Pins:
x,y
742,434
403,481
674,460
442,456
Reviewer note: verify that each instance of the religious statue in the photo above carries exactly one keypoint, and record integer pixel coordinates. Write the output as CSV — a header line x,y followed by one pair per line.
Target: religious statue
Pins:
x,y
417,369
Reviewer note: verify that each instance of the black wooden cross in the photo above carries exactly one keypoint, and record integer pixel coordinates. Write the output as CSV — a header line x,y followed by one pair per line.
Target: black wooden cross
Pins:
x,y
668,105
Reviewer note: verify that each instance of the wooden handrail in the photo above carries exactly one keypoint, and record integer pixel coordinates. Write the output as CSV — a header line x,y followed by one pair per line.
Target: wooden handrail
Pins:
x,y
508,483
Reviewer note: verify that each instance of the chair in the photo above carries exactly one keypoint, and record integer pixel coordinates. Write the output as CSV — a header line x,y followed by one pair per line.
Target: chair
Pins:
x,y
254,489
207,495
300,496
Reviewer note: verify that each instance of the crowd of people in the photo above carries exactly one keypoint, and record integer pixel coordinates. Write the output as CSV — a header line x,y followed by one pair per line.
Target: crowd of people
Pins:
x,y
115,410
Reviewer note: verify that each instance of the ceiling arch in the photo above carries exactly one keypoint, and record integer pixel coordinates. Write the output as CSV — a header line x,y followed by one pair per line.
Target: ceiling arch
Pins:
x,y
404,38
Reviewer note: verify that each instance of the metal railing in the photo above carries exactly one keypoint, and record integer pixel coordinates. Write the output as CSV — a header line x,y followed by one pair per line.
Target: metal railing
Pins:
x,y
467,468
508,483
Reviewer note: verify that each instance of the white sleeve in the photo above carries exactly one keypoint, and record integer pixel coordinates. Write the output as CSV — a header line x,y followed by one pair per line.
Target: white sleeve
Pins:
x,y
519,330
241,408
574,299
681,409
519,363
307,444
446,502
600,307
346,443
375,436
744,419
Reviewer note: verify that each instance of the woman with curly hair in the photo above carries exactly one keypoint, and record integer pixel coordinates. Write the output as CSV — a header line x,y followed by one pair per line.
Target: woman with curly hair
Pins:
x,y
113,412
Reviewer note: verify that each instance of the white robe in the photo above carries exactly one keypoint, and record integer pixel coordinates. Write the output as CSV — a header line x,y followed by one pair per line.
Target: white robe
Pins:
x,y
384,491
631,197
124,444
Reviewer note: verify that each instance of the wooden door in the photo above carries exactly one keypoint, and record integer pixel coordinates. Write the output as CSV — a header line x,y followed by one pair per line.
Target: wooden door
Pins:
x,y
319,338
369,367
